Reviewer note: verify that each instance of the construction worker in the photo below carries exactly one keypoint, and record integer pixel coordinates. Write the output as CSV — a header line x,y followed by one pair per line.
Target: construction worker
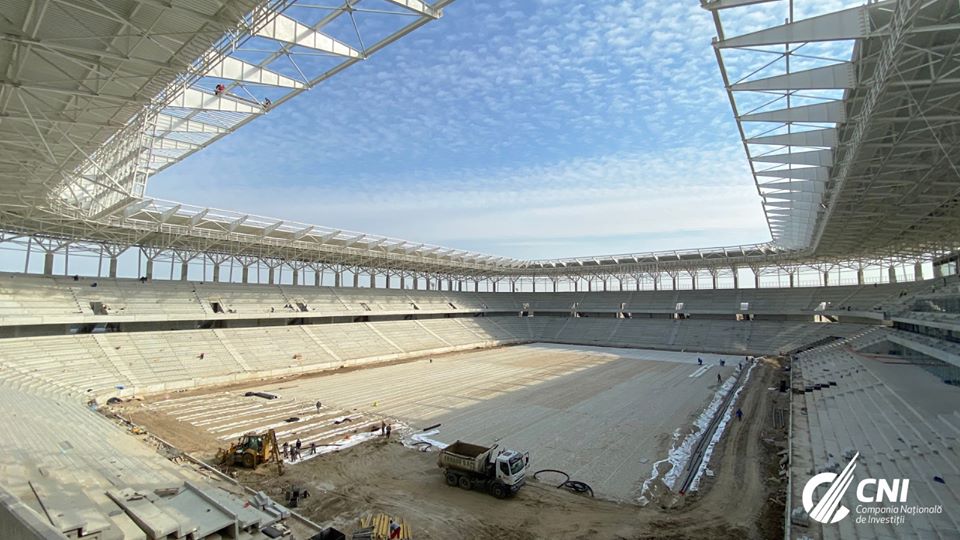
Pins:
x,y
286,449
699,361
718,378
318,406
388,431
739,414
383,428
299,445
313,448
394,529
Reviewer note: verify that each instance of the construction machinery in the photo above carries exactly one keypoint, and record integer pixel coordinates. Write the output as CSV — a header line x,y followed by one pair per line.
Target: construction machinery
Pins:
x,y
472,466
251,450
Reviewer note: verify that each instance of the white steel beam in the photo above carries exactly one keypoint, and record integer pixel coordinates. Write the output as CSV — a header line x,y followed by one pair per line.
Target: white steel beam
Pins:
x,y
846,24
170,123
812,138
191,98
287,30
238,70
821,174
829,111
836,76
420,7
823,158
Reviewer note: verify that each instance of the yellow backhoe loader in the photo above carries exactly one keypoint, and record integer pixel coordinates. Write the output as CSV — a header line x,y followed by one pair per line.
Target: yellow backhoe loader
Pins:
x,y
251,450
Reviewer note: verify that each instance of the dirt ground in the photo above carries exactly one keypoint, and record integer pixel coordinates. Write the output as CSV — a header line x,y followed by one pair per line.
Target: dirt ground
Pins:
x,y
743,499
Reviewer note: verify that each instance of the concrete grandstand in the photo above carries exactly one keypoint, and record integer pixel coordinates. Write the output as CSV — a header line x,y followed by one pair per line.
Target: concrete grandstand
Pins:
x,y
855,163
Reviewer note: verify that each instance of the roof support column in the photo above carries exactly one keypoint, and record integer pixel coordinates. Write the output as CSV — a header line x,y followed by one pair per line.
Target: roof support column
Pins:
x,y
476,285
403,282
416,282
50,248
860,276
826,278
337,277
185,258
792,275
373,279
217,261
388,281
245,263
918,271
736,278
151,255
892,273
114,251
605,284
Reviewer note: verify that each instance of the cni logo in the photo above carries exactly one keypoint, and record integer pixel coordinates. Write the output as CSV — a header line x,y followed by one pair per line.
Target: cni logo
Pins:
x,y
829,509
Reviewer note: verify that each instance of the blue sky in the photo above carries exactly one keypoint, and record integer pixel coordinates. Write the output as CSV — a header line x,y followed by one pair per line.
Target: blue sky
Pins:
x,y
534,129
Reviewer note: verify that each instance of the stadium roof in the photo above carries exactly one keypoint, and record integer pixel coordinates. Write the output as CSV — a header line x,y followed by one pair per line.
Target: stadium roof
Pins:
x,y
854,153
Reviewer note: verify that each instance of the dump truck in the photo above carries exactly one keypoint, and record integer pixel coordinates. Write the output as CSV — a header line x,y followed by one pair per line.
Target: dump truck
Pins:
x,y
471,466
252,449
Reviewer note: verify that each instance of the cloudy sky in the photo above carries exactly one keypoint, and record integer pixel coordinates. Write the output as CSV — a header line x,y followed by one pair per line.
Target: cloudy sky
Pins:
x,y
533,129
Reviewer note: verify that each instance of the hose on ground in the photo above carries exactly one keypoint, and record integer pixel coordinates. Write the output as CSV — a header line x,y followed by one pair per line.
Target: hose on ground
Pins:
x,y
574,486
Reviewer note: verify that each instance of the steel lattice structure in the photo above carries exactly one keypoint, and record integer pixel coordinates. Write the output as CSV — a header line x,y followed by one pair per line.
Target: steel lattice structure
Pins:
x,y
854,154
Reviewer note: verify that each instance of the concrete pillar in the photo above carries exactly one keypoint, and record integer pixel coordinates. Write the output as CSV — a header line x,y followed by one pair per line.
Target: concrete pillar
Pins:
x,y
937,271
337,278
416,283
554,285
892,274
859,276
756,279
403,283
604,285
356,280
460,286
476,286
149,274
113,267
48,263
792,275
184,270
674,281
534,285
270,275
636,283
736,279
373,280
917,271
713,279
826,278
388,280
493,286
589,285
693,281
216,271
317,278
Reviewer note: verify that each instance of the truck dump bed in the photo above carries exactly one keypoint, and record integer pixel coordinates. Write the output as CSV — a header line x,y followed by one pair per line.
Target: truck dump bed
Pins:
x,y
465,456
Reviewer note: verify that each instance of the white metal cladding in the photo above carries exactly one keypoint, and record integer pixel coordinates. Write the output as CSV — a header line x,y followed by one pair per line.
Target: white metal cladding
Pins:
x,y
856,112
853,154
